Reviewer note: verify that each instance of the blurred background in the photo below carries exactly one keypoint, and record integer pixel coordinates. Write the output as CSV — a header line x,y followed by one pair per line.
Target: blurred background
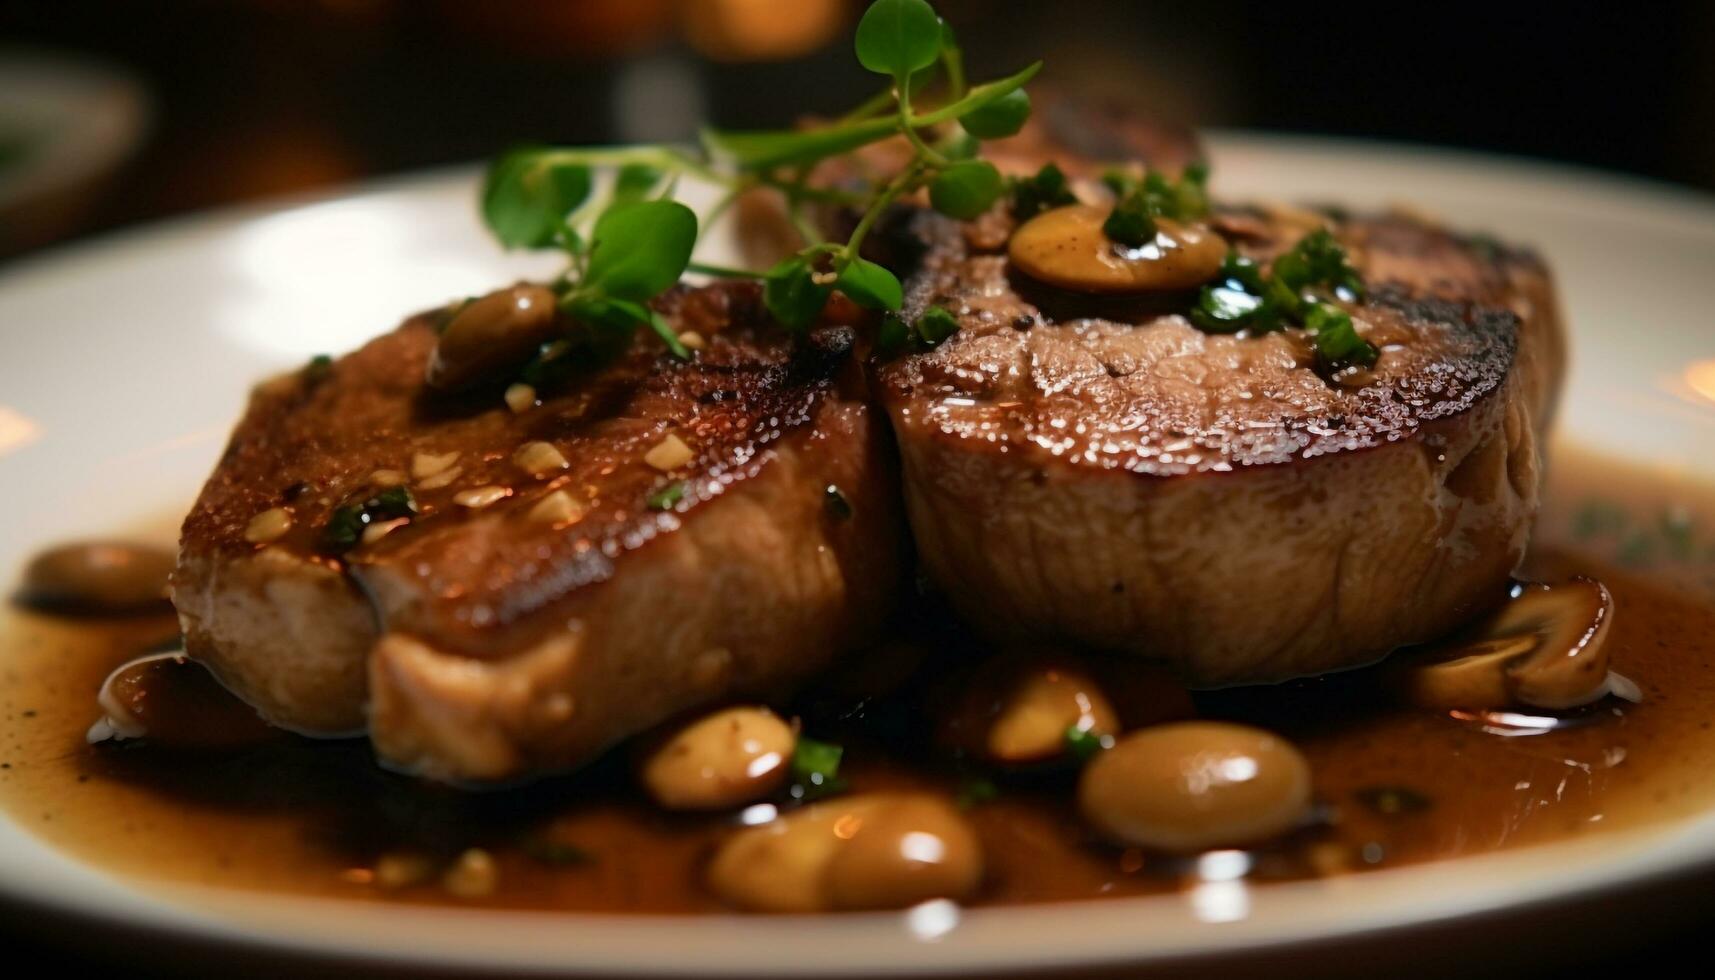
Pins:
x,y
114,112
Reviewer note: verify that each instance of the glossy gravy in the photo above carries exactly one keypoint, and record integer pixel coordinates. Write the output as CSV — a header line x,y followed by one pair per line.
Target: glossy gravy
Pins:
x,y
1395,785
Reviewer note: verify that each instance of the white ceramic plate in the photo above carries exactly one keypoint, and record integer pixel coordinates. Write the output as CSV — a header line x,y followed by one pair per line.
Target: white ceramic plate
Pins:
x,y
124,362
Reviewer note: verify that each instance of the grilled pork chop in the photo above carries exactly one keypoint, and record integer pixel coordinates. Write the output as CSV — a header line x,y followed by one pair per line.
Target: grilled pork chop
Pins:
x,y
565,581
1107,472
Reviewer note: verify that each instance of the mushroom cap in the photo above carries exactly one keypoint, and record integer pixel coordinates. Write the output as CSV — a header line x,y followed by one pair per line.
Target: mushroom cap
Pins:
x,y
1544,648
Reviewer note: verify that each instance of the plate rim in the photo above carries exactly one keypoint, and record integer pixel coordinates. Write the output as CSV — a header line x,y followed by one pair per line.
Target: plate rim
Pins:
x,y
140,906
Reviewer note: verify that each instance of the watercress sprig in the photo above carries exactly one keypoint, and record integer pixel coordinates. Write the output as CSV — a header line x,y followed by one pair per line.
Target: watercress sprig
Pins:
x,y
639,242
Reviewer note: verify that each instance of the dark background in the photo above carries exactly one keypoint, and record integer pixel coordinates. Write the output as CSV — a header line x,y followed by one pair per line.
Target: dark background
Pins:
x,y
253,98
259,97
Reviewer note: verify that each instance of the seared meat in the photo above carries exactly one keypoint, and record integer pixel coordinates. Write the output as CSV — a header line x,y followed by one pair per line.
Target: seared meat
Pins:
x,y
599,587
1099,469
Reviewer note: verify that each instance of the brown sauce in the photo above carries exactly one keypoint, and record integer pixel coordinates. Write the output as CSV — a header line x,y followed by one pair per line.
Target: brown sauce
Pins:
x,y
1395,785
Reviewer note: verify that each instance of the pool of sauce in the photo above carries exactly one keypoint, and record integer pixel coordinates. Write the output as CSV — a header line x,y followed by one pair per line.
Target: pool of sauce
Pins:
x,y
1395,785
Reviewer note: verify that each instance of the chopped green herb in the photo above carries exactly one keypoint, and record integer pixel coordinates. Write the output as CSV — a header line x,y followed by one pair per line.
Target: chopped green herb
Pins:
x,y
1243,298
1597,518
1130,223
1679,532
816,768
838,507
1637,549
976,791
1392,801
345,526
668,496
1047,190
1139,202
935,325
1082,744
318,369
1337,341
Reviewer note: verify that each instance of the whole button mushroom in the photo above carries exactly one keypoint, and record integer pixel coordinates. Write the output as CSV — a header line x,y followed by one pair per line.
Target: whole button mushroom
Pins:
x,y
908,851
1066,247
104,577
1545,648
491,334
1018,710
869,851
1192,786
721,760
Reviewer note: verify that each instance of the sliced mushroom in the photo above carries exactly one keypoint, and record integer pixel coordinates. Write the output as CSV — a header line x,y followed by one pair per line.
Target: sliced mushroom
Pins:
x,y
879,850
175,702
1545,648
1067,247
1020,709
489,335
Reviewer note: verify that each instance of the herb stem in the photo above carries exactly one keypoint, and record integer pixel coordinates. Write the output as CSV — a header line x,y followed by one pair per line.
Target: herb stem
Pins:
x,y
887,197
661,157
953,60
902,91
875,105
722,271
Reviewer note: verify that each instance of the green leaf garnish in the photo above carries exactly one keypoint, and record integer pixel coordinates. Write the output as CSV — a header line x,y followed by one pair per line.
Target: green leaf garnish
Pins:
x,y
638,242
869,285
966,189
898,37
640,248
526,197
999,119
635,181
792,295
766,150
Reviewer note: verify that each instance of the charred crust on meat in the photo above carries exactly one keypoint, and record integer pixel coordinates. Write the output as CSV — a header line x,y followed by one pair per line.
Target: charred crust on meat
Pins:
x,y
755,386
1455,345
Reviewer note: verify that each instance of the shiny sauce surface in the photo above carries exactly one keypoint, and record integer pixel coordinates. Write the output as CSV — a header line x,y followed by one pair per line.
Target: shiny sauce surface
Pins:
x,y
1394,785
